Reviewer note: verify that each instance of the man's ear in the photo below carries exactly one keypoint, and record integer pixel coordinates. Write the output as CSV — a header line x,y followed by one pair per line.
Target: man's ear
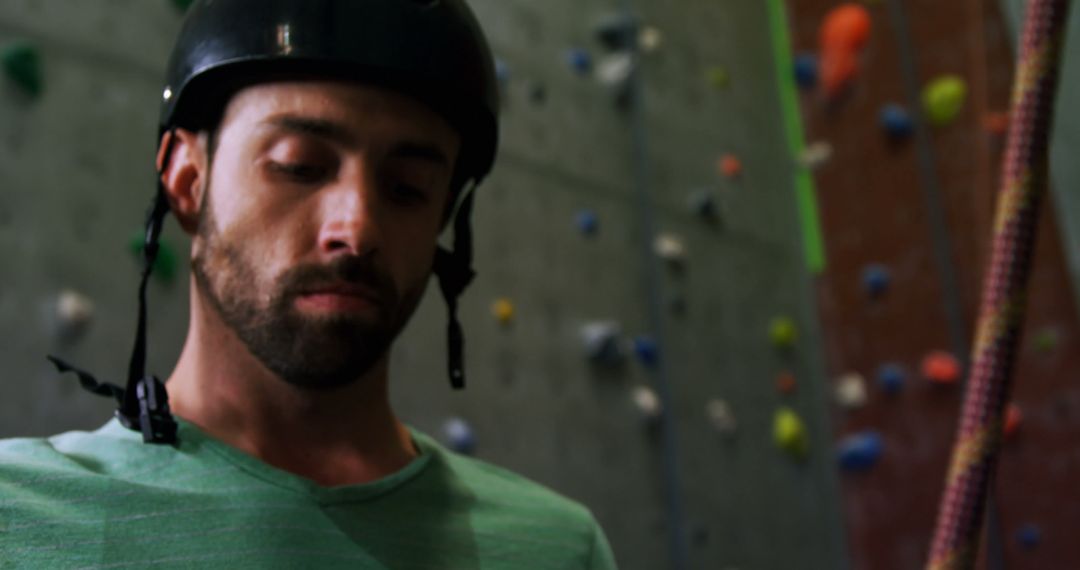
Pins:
x,y
183,178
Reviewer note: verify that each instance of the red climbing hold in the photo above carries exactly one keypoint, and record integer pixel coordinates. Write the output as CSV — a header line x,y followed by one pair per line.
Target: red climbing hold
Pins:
x,y
941,368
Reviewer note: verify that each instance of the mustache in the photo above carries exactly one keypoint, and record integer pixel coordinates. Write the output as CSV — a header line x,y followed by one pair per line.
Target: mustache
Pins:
x,y
349,271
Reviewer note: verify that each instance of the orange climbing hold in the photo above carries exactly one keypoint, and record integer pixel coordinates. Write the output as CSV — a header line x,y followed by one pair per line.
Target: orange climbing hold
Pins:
x,y
843,35
996,123
941,368
1014,417
846,28
730,166
785,383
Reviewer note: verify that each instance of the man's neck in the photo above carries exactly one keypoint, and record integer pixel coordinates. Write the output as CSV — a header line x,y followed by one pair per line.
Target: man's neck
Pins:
x,y
343,436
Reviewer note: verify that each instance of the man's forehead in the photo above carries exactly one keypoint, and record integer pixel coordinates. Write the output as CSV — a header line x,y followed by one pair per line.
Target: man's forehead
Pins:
x,y
344,103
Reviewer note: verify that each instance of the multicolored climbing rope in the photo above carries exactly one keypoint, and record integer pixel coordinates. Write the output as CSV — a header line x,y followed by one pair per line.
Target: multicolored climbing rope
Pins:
x,y
1023,187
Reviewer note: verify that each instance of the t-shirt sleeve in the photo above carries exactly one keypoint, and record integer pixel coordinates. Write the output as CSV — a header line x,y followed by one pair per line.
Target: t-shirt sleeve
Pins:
x,y
601,557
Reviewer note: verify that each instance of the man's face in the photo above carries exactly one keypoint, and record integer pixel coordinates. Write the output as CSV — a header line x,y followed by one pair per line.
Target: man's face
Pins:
x,y
319,222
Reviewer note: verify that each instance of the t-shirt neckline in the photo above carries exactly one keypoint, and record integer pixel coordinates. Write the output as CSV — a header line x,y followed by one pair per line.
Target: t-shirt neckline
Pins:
x,y
193,440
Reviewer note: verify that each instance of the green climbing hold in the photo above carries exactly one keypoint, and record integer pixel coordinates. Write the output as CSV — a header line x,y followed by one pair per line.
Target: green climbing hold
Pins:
x,y
22,64
789,433
718,77
164,264
182,5
1047,340
943,99
783,332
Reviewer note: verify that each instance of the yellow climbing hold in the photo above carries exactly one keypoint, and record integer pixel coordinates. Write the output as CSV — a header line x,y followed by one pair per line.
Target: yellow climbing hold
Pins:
x,y
503,310
789,433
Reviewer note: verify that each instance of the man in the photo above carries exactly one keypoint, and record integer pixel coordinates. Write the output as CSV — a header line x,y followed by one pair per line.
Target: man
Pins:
x,y
314,150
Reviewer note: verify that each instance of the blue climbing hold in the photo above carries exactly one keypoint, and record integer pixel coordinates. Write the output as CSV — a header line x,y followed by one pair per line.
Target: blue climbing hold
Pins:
x,y
860,452
1029,536
459,436
806,70
897,122
891,378
876,279
646,350
580,60
502,71
587,222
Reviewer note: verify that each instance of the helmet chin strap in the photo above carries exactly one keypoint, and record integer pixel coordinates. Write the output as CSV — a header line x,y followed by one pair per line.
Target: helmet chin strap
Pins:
x,y
144,402
455,272
143,405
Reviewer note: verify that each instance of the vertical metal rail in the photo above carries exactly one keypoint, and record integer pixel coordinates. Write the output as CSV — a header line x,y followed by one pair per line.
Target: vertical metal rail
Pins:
x,y
676,527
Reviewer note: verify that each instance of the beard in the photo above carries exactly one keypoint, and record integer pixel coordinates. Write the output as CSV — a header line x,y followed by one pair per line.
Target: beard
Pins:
x,y
310,352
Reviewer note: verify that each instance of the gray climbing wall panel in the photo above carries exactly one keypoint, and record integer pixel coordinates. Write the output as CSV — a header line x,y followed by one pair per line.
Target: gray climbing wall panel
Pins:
x,y
76,175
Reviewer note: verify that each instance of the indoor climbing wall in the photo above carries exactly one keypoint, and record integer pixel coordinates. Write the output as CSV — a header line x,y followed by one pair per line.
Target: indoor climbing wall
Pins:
x,y
911,98
642,335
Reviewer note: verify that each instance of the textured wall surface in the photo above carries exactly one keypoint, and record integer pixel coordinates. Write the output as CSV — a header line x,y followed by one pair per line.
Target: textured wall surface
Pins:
x,y
76,176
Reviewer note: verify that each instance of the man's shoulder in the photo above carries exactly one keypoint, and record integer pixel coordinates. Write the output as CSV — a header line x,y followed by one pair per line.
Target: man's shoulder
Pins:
x,y
497,486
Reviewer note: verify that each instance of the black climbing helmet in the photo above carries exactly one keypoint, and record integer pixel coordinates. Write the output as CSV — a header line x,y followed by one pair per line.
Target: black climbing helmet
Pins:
x,y
432,50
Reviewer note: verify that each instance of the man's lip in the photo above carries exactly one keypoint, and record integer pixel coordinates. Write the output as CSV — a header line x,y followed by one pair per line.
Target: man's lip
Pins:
x,y
345,290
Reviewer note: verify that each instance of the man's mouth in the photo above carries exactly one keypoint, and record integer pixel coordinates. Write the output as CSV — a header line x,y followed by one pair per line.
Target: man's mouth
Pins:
x,y
338,298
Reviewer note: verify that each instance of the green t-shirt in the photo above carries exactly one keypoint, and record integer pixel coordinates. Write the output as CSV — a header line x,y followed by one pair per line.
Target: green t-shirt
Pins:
x,y
106,500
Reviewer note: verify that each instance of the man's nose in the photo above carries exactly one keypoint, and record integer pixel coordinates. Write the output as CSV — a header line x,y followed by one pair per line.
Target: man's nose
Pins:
x,y
349,222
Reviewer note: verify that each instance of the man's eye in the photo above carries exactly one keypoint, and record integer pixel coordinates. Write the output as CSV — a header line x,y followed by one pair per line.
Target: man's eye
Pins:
x,y
406,193
300,172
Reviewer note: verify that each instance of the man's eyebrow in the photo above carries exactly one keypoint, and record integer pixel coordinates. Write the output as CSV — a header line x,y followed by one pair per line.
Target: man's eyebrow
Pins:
x,y
320,128
336,132
420,150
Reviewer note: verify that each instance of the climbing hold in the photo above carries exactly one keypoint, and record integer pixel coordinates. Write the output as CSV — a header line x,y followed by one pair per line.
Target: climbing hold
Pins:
x,y
721,417
816,154
806,70
846,28
647,403
843,35
537,93
730,166
996,123
579,60
670,248
459,436
502,72
1014,418
74,312
601,341
615,70
783,332
786,383
896,121
587,222
182,5
860,452
943,99
503,310
876,279
850,391
1047,340
650,39
616,31
647,351
703,204
718,77
838,71
891,378
22,64
789,433
941,368
165,263
1029,536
